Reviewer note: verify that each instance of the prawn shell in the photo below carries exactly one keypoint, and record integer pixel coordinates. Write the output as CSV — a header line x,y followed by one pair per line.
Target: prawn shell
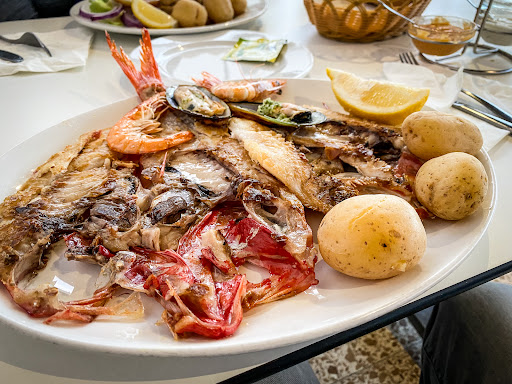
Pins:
x,y
169,93
250,111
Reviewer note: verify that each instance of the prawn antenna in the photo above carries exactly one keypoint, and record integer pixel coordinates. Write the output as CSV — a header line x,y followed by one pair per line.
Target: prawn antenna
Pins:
x,y
253,69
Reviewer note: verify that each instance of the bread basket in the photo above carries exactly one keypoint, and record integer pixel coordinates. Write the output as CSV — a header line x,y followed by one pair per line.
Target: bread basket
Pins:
x,y
361,20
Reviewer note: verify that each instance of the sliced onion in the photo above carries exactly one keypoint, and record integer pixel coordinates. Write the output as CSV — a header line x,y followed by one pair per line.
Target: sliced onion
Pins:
x,y
85,11
129,19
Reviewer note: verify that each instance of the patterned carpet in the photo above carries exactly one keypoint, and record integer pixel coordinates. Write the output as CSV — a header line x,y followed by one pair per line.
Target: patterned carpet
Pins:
x,y
390,355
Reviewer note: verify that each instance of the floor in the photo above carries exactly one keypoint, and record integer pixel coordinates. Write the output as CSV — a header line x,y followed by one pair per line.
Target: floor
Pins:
x,y
390,355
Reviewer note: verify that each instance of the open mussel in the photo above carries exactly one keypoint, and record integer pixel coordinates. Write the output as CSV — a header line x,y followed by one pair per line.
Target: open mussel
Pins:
x,y
197,101
276,113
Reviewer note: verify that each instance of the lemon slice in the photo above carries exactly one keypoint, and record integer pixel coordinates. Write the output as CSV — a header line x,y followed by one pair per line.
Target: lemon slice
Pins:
x,y
151,16
379,101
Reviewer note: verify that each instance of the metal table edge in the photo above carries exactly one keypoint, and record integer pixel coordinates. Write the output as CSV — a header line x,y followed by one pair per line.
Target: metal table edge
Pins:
x,y
341,338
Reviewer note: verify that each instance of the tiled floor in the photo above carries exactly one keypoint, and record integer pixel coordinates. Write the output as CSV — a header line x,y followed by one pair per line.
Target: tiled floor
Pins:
x,y
390,355
379,357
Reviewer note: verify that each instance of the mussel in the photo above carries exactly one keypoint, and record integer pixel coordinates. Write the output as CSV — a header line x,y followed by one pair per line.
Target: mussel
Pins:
x,y
197,101
276,113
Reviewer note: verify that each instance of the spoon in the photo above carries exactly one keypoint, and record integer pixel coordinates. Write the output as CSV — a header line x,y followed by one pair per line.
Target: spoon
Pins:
x,y
11,57
395,12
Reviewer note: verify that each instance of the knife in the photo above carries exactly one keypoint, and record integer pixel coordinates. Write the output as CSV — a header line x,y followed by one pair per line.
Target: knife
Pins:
x,y
11,57
484,116
486,103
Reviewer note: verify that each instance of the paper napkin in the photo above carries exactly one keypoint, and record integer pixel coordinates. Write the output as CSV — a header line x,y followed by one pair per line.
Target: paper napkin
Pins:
x,y
445,89
69,49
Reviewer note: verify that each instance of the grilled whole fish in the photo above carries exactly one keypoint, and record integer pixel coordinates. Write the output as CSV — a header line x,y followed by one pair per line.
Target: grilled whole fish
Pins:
x,y
176,224
334,160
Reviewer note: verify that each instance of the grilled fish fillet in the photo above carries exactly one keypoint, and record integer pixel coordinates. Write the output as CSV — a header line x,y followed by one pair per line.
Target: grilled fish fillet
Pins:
x,y
280,158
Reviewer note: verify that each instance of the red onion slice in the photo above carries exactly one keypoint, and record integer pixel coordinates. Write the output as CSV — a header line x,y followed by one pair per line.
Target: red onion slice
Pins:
x,y
129,19
85,11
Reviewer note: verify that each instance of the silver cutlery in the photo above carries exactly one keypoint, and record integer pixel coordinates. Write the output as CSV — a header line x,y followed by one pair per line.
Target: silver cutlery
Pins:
x,y
484,116
28,38
503,122
11,57
492,107
395,12
408,58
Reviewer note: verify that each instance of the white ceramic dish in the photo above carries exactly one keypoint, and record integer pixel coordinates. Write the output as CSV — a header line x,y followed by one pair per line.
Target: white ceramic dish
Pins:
x,y
337,303
181,57
255,8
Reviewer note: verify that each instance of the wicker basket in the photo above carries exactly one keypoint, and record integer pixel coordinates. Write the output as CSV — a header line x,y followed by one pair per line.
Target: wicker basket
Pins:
x,y
361,20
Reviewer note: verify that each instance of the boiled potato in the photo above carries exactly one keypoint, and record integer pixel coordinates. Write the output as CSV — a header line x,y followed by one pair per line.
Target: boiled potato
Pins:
x,y
429,134
372,237
189,13
239,6
451,186
219,10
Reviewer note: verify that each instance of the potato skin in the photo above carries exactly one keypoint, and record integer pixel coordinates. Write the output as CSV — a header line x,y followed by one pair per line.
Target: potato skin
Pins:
x,y
429,134
239,6
219,10
189,13
451,186
372,237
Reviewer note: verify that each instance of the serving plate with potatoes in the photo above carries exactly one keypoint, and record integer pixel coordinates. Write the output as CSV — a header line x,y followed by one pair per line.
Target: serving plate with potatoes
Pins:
x,y
190,25
341,300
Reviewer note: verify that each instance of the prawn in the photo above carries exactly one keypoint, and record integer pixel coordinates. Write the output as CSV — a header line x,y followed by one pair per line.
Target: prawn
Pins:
x,y
242,90
133,133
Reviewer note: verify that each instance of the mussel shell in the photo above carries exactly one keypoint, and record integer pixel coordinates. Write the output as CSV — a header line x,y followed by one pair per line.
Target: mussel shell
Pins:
x,y
169,93
250,111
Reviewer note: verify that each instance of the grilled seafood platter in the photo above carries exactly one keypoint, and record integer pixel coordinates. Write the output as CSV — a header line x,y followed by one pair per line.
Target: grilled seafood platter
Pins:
x,y
182,192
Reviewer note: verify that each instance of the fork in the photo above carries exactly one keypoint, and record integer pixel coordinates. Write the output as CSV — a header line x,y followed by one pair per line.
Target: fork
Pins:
x,y
503,122
408,58
28,38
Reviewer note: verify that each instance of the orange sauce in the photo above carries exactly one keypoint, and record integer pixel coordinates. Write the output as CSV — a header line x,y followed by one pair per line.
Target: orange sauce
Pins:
x,y
426,37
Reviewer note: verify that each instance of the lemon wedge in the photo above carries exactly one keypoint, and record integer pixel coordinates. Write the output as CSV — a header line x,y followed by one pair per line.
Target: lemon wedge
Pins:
x,y
380,101
151,16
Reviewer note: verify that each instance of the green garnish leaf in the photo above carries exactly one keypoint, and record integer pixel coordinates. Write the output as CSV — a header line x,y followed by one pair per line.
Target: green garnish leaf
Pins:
x,y
100,6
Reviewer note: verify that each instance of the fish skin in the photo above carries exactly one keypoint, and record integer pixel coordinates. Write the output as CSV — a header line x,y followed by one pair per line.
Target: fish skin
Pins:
x,y
101,197
43,175
281,159
361,126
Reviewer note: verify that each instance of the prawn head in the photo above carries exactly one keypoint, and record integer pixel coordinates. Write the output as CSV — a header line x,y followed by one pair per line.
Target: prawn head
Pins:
x,y
133,134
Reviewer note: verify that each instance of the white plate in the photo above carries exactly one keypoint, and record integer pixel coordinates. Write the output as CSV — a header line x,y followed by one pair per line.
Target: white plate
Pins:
x,y
181,58
337,303
255,8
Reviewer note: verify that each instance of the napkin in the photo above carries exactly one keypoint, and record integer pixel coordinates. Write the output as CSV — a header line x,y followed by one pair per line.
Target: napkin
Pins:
x,y
445,89
69,48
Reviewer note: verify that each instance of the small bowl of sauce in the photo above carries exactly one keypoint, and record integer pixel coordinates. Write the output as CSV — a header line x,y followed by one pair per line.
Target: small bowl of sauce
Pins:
x,y
441,35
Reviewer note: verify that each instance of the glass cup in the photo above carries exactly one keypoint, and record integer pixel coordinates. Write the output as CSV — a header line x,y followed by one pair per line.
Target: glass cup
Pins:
x,y
441,35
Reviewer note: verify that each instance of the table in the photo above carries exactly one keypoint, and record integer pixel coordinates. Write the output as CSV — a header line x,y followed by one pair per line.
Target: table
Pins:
x,y
26,109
